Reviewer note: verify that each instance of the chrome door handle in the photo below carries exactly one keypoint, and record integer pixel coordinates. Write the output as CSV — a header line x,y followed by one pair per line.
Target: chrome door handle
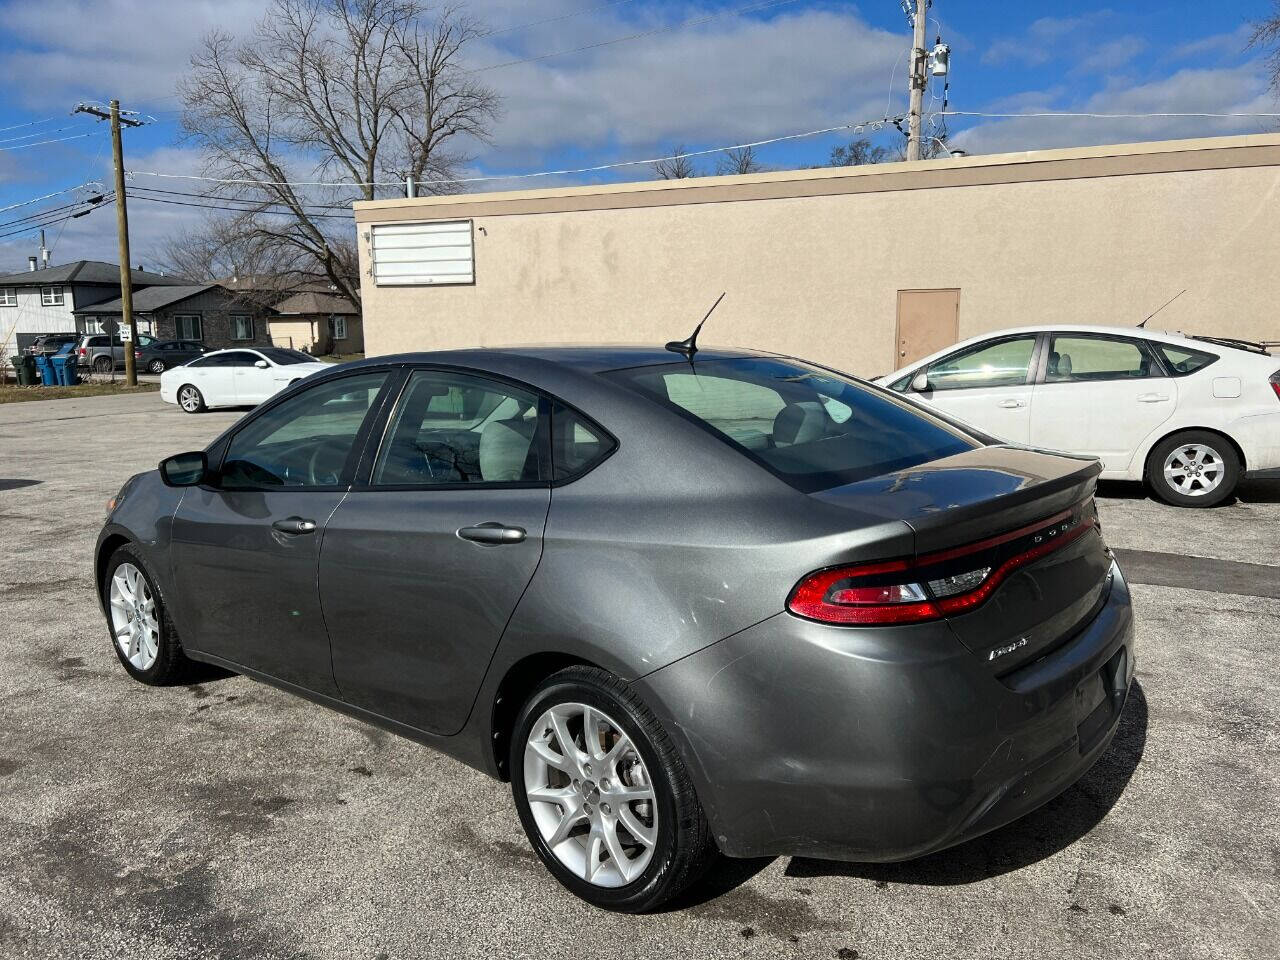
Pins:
x,y
1012,404
294,525
492,533
1152,397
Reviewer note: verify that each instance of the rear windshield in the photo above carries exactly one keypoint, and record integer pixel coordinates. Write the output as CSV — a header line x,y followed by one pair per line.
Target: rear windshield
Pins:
x,y
812,428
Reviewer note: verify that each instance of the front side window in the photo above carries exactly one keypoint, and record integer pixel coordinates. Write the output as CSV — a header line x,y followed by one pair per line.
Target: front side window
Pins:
x,y
283,358
452,428
8,296
188,326
812,428
51,296
1004,363
241,327
1082,359
306,441
1183,360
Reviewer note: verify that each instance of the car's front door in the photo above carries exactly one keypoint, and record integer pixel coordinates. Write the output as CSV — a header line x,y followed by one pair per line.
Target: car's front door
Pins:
x,y
245,548
1100,395
424,561
988,385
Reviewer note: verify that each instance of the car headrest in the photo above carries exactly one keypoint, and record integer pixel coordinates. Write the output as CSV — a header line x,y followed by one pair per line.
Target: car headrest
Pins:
x,y
1064,364
799,423
1054,356
504,448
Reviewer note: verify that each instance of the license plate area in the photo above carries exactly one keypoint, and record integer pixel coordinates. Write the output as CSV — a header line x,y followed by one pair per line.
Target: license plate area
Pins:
x,y
1101,698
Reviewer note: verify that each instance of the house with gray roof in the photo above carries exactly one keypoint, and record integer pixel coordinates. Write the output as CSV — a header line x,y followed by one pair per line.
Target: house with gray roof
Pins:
x,y
206,312
48,300
319,322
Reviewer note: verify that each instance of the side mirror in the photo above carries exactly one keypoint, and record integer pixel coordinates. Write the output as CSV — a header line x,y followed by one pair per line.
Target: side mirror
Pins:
x,y
185,469
262,364
920,382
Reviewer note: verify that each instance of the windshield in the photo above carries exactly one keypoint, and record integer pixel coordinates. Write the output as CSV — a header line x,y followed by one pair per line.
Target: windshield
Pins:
x,y
285,357
810,427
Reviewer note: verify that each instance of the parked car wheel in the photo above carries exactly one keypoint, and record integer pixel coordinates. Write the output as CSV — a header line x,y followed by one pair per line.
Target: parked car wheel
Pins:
x,y
103,365
603,796
141,632
156,366
1194,468
190,399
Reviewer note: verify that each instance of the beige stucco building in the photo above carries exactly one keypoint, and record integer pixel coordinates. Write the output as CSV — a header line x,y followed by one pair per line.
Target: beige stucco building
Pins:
x,y
860,267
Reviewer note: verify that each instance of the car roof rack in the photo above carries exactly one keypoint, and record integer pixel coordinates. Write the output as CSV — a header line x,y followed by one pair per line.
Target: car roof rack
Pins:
x,y
1250,345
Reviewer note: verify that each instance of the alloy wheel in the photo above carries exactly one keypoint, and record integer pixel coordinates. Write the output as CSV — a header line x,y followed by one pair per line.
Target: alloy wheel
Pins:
x,y
590,794
1194,469
157,366
133,617
189,399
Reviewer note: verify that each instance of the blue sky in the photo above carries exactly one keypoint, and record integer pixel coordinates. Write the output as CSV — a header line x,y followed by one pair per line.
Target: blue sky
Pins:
x,y
792,67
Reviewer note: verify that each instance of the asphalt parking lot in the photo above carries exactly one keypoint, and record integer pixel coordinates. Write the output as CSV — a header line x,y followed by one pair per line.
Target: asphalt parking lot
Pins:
x,y
227,819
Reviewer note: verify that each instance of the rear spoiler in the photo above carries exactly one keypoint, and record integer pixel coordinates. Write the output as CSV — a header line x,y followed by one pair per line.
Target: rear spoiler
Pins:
x,y
1251,346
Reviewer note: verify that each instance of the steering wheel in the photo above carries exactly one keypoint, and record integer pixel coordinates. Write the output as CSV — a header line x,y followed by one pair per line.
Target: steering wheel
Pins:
x,y
313,468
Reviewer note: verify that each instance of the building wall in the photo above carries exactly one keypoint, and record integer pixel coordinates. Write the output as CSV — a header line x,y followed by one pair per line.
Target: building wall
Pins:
x,y
30,318
1103,235
295,334
312,334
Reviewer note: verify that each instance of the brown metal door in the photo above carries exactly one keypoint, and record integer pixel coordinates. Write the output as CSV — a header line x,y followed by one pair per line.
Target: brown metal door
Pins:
x,y
928,321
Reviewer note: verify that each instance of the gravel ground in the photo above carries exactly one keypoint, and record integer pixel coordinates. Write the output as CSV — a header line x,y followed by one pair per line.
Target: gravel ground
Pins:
x,y
227,819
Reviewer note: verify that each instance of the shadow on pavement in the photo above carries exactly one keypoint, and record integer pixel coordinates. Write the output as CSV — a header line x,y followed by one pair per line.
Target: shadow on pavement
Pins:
x,y
1038,835
1249,491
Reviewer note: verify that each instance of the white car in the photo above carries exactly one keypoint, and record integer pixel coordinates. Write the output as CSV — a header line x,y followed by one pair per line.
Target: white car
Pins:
x,y
1190,415
235,378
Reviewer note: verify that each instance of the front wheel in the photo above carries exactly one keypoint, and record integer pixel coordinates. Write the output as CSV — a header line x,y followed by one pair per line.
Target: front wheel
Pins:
x,y
603,795
1194,468
156,366
141,632
190,398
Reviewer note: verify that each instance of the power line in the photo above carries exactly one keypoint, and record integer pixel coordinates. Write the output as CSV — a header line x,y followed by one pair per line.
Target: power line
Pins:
x,y
210,206
38,133
695,21
206,196
41,143
1109,116
28,228
47,196
29,123
48,211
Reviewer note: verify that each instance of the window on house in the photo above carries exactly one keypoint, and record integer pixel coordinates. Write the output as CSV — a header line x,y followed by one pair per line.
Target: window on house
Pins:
x,y
8,296
439,252
51,296
338,328
241,327
188,326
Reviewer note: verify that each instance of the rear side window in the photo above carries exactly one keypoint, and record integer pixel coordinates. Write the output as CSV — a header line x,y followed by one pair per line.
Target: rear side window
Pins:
x,y
1182,360
811,428
1076,359
576,445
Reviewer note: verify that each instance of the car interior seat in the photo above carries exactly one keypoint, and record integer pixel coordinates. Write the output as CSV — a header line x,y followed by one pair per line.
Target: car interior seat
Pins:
x,y
800,422
505,447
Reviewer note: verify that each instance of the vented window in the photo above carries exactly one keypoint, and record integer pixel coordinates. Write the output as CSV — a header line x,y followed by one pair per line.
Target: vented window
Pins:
x,y
422,253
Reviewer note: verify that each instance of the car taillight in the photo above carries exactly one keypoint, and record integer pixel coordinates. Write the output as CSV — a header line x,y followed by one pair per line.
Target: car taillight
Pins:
x,y
935,585
137,354
83,351
1275,383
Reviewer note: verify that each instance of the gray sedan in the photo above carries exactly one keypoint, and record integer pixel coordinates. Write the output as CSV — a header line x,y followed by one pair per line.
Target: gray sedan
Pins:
x,y
688,604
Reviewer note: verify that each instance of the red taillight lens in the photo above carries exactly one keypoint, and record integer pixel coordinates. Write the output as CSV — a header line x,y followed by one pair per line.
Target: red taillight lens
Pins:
x,y
936,585
1275,383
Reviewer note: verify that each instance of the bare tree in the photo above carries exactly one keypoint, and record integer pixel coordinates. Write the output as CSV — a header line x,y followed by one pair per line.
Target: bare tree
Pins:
x,y
856,153
1266,36
738,160
351,91
676,167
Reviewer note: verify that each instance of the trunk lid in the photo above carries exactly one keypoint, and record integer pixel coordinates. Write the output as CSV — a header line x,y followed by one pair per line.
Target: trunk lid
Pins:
x,y
1025,516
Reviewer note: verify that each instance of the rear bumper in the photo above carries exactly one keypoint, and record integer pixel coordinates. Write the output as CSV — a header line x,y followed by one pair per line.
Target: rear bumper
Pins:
x,y
872,745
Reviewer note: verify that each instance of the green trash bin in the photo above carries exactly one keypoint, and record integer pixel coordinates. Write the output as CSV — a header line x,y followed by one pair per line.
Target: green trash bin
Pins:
x,y
24,368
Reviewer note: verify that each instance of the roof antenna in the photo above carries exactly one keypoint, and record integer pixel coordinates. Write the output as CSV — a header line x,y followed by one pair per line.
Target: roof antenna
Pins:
x,y
690,347
1143,324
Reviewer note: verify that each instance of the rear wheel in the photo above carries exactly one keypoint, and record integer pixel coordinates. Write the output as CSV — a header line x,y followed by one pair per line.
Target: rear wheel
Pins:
x,y
103,365
156,366
190,399
603,796
142,634
1194,468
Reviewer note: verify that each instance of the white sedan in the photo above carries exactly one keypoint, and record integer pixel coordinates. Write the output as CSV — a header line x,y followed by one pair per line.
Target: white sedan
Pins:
x,y
235,378
1190,415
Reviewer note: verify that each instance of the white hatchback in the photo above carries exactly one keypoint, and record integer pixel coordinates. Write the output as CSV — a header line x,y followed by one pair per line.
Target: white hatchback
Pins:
x,y
1190,415
239,377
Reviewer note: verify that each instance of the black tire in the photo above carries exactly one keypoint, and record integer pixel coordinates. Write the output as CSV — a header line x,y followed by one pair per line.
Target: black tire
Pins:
x,y
156,366
1221,454
103,365
171,665
684,847
193,390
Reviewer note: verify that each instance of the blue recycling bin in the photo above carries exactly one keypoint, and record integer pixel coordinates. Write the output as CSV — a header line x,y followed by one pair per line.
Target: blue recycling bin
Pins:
x,y
64,370
45,369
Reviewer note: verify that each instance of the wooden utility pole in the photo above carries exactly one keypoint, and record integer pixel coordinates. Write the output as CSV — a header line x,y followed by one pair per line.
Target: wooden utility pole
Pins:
x,y
919,77
122,228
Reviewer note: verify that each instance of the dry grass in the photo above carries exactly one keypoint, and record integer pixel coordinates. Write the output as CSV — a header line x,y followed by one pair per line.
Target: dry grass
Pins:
x,y
13,394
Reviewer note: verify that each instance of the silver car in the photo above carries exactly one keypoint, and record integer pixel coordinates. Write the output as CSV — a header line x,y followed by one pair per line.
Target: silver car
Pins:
x,y
688,604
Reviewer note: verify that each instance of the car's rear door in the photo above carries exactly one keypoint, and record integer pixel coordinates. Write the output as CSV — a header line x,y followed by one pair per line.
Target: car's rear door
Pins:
x,y
245,549
424,561
988,385
1100,395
